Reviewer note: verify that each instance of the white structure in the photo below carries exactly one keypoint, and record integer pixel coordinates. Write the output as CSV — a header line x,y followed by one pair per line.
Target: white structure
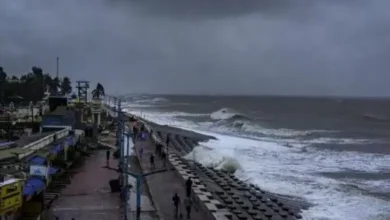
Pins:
x,y
96,110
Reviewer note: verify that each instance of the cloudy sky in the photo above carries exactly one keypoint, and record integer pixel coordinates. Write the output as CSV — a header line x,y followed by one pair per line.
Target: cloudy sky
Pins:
x,y
311,47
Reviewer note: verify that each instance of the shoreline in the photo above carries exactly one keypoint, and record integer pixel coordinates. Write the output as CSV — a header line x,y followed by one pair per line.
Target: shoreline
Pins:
x,y
221,193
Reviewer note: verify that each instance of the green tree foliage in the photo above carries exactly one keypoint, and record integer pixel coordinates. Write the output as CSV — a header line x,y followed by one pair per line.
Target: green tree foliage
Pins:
x,y
31,86
98,91
66,86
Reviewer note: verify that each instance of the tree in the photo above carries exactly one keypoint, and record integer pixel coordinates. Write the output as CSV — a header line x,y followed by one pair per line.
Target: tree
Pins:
x,y
3,78
55,85
98,91
3,75
66,87
30,86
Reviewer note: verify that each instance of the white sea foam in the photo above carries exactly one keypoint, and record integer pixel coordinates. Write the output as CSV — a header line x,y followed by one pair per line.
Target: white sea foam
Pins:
x,y
293,171
211,157
225,113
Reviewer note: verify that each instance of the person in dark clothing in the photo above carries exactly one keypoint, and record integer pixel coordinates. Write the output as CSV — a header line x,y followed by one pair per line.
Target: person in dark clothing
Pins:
x,y
168,140
188,205
188,187
108,157
176,203
152,161
164,158
158,149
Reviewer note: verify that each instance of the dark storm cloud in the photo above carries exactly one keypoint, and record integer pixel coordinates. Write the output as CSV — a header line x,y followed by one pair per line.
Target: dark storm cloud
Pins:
x,y
325,47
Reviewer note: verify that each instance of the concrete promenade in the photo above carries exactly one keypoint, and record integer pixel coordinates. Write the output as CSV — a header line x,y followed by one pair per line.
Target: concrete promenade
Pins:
x,y
218,194
163,186
89,196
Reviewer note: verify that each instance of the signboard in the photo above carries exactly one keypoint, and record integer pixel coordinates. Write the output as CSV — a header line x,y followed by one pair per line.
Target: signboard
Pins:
x,y
10,196
39,170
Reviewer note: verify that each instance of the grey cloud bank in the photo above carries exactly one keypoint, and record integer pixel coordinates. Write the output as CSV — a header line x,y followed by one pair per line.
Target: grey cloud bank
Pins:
x,y
324,47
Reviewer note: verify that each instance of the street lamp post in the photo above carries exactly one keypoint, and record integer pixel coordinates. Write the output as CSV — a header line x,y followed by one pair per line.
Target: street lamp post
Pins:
x,y
139,177
126,170
123,166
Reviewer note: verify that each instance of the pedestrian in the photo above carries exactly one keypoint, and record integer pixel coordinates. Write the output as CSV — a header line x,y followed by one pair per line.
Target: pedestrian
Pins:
x,y
188,205
164,158
135,131
108,158
168,141
158,149
176,203
152,161
188,187
141,152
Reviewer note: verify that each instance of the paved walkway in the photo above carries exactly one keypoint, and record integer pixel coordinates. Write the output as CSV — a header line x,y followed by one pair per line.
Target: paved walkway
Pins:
x,y
88,196
162,186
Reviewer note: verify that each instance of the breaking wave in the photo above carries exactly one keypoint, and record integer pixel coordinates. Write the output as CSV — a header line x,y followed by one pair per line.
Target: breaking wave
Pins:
x,y
228,114
377,118
210,157
148,100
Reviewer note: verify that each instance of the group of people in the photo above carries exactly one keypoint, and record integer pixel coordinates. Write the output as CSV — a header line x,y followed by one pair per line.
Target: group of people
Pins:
x,y
162,152
187,201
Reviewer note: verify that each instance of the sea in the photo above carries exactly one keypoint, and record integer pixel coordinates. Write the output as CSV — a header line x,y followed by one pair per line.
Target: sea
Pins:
x,y
332,152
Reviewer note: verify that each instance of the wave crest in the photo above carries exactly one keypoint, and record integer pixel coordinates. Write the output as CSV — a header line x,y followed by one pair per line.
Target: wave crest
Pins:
x,y
227,114
212,158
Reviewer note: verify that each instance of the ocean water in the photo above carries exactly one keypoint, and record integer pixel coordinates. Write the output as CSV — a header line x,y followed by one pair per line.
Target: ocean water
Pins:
x,y
334,153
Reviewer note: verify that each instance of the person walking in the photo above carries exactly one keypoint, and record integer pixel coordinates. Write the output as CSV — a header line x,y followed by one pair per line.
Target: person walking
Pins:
x,y
108,158
141,152
176,203
164,158
152,165
188,187
188,206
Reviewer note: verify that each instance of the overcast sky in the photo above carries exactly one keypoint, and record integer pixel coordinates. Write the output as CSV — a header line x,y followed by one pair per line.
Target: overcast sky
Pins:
x,y
311,47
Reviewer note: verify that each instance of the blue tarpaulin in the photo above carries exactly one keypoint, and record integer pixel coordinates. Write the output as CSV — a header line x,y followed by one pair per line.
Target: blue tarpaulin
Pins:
x,y
38,160
33,185
56,149
53,170
69,141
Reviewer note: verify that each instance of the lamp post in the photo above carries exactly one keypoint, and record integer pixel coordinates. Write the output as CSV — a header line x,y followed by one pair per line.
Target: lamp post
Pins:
x,y
139,177
125,171
123,166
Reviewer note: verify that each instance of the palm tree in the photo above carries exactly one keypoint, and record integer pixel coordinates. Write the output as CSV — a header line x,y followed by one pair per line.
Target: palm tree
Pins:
x,y
98,91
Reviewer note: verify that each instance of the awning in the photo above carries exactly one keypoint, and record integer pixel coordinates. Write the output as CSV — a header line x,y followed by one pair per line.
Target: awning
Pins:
x,y
33,185
56,149
38,160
